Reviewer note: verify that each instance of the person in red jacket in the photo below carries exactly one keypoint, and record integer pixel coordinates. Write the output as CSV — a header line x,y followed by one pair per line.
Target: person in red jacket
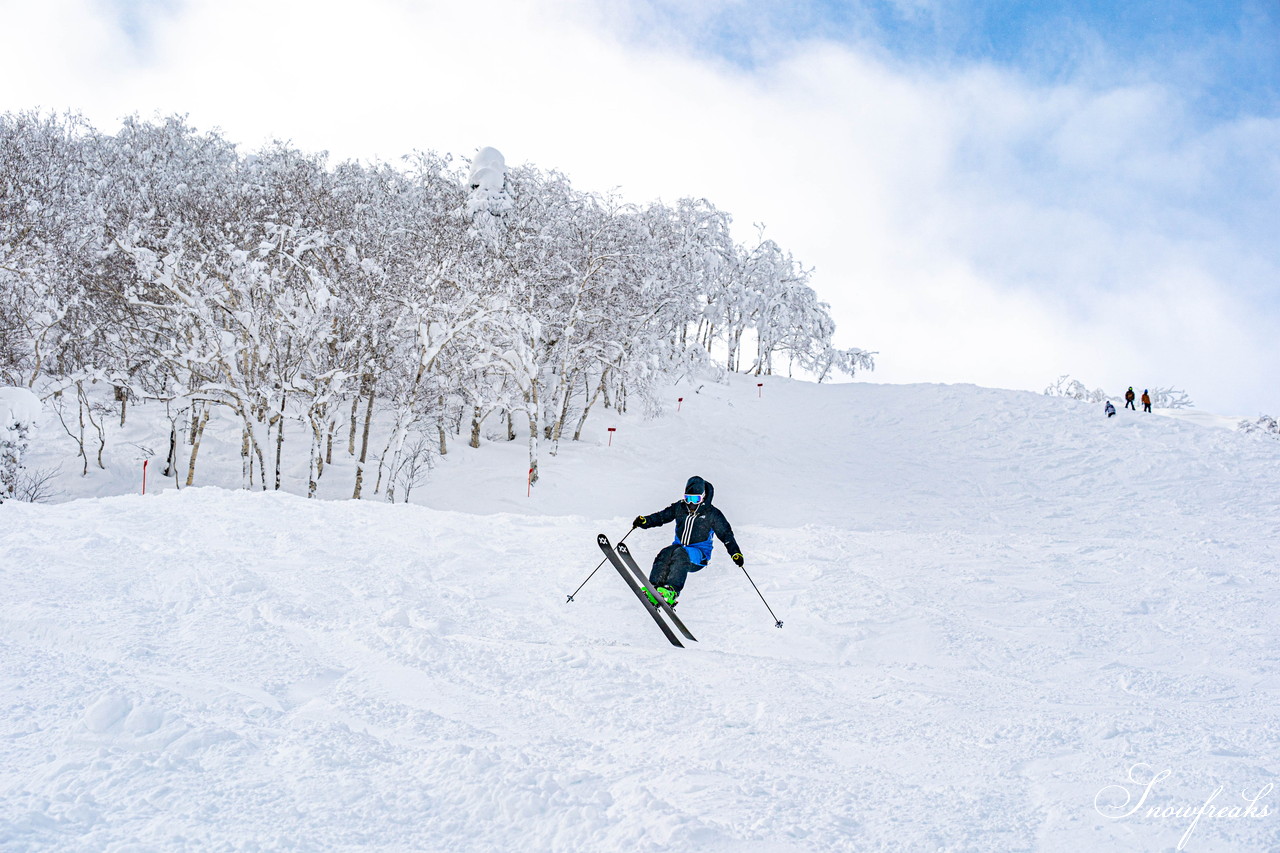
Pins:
x,y
1146,400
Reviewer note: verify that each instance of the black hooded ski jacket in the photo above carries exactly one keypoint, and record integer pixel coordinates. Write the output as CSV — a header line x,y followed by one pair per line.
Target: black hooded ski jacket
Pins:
x,y
696,523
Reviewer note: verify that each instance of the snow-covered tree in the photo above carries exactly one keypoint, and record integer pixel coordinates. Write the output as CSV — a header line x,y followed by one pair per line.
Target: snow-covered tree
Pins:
x,y
1170,398
1074,389
488,199
386,302
1263,425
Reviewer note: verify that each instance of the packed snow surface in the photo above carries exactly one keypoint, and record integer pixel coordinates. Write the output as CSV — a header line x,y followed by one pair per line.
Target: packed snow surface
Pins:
x,y
1004,613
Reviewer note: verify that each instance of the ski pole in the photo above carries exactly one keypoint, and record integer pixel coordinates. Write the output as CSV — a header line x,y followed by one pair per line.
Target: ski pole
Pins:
x,y
777,623
597,568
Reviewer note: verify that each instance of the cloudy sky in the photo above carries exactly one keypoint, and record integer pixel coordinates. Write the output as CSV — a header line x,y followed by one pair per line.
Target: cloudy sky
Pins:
x,y
990,191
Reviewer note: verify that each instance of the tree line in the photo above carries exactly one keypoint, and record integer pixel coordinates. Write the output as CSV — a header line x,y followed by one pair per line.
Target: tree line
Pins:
x,y
428,297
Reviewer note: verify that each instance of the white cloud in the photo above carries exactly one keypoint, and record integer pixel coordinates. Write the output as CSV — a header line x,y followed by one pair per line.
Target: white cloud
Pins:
x,y
55,50
971,226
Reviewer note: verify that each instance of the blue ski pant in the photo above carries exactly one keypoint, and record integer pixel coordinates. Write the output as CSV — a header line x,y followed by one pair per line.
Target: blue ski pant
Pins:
x,y
671,567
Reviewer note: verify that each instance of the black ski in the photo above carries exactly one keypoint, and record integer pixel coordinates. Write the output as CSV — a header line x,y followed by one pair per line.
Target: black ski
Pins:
x,y
644,581
603,542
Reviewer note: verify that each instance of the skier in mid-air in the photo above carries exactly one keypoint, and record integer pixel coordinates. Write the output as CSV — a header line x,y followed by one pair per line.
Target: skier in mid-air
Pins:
x,y
697,521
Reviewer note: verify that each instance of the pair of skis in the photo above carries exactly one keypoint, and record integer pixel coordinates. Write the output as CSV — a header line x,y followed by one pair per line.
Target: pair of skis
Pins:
x,y
626,566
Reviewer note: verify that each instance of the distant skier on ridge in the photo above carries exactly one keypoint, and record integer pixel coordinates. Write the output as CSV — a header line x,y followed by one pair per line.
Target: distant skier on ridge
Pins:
x,y
1128,399
1146,400
697,521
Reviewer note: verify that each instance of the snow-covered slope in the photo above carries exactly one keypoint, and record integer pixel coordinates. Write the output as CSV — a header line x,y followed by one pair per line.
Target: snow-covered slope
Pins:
x,y
1001,611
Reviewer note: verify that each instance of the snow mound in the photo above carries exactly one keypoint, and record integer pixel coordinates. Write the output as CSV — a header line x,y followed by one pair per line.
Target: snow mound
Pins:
x,y
18,408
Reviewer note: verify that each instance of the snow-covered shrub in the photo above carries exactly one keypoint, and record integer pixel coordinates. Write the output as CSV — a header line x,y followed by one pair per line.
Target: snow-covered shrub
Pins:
x,y
19,413
1074,389
1264,425
1168,398
37,485
1161,398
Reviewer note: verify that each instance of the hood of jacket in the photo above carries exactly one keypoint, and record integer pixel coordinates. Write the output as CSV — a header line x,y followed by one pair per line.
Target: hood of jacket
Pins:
x,y
698,486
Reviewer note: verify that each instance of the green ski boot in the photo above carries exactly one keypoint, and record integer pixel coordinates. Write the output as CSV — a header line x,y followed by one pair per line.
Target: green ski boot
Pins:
x,y
669,594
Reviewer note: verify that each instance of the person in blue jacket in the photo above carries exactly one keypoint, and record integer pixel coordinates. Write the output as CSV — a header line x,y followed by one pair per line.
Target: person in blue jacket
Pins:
x,y
697,522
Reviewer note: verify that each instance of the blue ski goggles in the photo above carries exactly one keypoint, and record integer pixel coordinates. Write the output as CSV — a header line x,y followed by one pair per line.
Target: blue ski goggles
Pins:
x,y
693,499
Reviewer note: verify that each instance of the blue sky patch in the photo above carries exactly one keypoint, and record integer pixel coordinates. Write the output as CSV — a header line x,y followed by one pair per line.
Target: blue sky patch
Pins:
x,y
1224,57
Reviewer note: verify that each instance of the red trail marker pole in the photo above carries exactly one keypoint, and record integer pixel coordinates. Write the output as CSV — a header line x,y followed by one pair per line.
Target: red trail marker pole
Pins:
x,y
611,431
759,389
529,484
144,475
679,401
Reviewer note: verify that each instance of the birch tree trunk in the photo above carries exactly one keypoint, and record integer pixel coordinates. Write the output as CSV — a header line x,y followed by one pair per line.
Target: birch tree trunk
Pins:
x,y
171,461
561,417
476,420
102,433
531,408
280,438
364,444
315,468
577,433
246,459
197,432
355,406
444,447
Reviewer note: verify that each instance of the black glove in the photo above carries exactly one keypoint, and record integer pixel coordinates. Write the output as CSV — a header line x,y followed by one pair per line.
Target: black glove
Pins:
x,y
640,521
737,559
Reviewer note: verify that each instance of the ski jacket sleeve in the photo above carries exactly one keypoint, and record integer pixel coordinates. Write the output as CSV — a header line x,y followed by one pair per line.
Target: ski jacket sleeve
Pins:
x,y
664,516
720,525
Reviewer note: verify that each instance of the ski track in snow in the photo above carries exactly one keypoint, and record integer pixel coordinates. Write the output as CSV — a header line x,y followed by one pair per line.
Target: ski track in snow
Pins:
x,y
995,604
